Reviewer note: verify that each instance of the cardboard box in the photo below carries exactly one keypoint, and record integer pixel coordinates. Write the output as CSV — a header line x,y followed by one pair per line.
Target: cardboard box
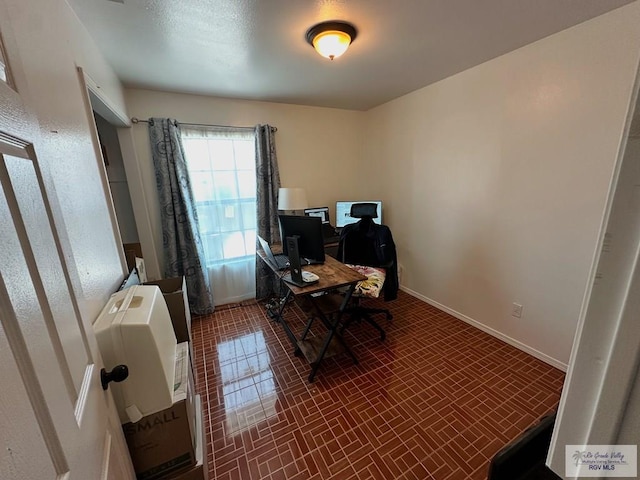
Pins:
x,y
201,470
131,251
175,294
141,269
163,443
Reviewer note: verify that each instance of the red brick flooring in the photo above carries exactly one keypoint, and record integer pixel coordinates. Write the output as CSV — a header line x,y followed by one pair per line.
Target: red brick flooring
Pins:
x,y
436,400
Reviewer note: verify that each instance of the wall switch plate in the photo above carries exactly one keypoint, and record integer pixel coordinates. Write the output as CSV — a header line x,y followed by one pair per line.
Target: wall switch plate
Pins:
x,y
516,310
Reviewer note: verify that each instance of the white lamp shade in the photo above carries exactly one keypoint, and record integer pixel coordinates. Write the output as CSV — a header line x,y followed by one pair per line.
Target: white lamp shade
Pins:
x,y
292,199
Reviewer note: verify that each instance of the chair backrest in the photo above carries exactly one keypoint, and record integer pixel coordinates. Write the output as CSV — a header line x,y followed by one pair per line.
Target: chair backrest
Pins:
x,y
364,210
358,245
358,240
370,244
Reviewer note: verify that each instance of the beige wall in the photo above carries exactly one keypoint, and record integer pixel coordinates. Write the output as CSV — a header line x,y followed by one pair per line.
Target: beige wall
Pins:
x,y
496,179
100,74
318,148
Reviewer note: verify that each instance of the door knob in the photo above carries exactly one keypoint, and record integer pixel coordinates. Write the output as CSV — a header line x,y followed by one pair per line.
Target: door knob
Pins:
x,y
118,374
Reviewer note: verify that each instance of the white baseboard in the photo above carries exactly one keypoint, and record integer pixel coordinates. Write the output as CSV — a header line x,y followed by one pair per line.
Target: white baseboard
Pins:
x,y
494,333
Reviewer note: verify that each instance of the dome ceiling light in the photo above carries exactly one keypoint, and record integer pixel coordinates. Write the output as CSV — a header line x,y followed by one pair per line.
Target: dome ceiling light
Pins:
x,y
331,39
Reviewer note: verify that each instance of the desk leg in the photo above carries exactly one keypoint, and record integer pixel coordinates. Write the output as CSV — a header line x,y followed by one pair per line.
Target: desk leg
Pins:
x,y
343,306
338,316
307,328
280,319
333,331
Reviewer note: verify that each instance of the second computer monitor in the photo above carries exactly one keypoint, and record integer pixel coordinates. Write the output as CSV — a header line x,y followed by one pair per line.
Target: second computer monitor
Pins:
x,y
308,230
343,213
321,212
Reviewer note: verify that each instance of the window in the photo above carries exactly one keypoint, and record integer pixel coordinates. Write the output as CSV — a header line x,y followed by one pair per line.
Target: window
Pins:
x,y
221,163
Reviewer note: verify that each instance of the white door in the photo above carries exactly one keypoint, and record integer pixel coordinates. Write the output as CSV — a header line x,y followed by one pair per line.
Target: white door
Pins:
x,y
56,422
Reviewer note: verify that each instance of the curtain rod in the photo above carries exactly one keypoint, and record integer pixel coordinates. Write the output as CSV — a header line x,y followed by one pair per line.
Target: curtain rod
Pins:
x,y
137,120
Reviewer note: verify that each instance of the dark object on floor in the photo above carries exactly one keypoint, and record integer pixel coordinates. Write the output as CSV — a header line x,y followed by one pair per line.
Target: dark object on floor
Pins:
x,y
523,459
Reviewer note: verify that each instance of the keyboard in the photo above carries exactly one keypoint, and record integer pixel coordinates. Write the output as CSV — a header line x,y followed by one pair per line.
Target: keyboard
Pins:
x,y
282,261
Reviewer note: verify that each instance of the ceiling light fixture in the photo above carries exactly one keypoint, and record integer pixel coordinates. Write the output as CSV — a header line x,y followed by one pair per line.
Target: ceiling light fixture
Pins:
x,y
331,39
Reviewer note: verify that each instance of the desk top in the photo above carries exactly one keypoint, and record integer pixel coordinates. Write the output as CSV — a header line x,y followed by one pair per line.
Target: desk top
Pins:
x,y
332,273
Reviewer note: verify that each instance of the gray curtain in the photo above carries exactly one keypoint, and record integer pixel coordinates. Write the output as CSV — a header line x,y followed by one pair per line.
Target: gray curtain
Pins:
x,y
268,182
183,253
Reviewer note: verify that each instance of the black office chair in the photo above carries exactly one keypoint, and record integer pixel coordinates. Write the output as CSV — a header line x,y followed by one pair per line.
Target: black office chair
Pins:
x,y
369,244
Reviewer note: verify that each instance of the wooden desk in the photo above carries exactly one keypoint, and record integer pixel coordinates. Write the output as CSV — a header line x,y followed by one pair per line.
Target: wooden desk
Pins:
x,y
333,274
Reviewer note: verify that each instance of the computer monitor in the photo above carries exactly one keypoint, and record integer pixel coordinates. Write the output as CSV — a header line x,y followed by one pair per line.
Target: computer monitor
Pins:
x,y
309,233
343,212
322,212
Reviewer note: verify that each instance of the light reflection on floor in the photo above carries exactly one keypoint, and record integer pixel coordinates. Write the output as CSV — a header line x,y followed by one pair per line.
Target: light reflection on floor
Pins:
x,y
248,384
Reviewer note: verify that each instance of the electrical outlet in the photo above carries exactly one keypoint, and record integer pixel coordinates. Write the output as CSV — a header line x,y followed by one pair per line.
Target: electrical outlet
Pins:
x,y
516,310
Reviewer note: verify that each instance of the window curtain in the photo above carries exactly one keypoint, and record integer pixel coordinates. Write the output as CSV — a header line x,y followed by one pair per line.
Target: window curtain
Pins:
x,y
183,253
267,184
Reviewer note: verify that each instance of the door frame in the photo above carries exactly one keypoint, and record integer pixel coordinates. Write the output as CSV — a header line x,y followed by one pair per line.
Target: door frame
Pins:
x,y
605,357
90,90
95,100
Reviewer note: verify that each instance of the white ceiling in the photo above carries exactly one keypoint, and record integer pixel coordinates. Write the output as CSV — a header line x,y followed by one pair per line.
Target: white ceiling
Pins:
x,y
256,49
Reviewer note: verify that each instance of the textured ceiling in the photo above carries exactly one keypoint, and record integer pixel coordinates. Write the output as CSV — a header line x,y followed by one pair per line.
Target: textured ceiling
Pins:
x,y
256,49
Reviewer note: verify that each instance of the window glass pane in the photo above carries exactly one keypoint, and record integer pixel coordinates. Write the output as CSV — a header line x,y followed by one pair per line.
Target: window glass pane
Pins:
x,y
228,217
233,244
247,184
245,155
249,215
213,247
226,187
222,154
206,220
196,152
250,241
202,186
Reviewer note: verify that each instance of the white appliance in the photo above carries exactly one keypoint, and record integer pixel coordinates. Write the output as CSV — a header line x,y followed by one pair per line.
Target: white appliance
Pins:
x,y
135,329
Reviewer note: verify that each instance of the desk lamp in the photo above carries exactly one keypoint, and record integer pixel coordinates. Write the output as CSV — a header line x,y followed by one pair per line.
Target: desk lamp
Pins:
x,y
292,200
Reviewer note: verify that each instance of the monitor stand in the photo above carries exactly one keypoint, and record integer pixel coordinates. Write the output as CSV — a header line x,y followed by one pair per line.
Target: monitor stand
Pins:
x,y
310,261
295,277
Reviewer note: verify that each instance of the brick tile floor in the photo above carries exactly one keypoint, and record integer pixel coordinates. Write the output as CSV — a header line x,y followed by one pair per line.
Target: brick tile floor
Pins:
x,y
436,400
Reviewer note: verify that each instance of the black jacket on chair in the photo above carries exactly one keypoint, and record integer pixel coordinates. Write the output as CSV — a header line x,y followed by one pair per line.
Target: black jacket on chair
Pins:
x,y
367,243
